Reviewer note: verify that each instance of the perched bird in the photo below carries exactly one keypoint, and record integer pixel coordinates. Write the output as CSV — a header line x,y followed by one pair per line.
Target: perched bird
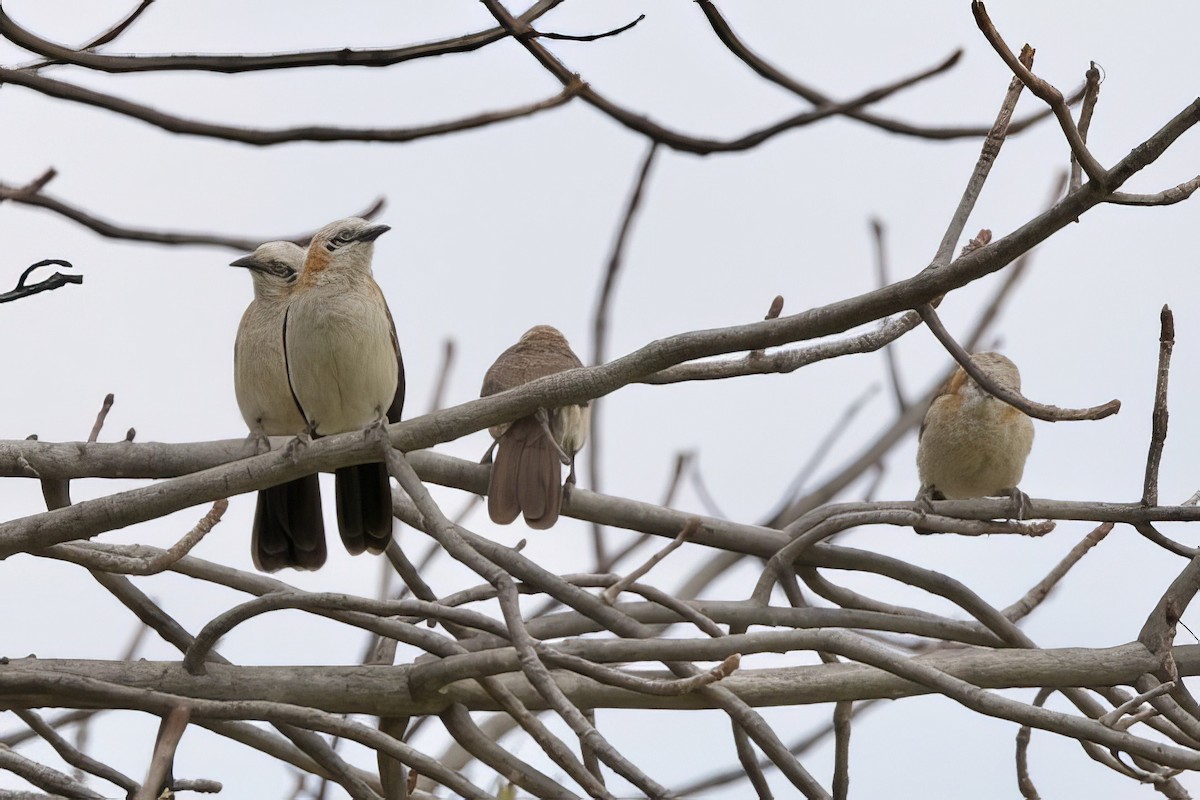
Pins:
x,y
345,368
527,475
971,444
288,530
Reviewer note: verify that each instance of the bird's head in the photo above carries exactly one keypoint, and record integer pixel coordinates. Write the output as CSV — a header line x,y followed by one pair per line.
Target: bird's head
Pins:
x,y
345,245
1000,368
544,334
273,267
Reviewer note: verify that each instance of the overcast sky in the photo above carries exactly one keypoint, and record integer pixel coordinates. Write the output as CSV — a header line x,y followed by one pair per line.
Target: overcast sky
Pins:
x,y
505,227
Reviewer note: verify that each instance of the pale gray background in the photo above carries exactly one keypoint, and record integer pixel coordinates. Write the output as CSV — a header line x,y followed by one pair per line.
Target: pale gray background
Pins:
x,y
501,228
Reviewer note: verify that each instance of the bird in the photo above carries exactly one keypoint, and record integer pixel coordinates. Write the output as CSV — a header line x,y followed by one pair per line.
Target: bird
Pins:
x,y
345,368
288,529
526,478
971,444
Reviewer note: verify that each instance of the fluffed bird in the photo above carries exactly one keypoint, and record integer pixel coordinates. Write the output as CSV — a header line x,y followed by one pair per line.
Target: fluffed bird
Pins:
x,y
288,530
972,444
526,477
345,368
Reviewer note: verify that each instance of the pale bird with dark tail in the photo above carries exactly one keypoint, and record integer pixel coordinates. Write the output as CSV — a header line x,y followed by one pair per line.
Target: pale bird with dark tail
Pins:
x,y
345,368
288,530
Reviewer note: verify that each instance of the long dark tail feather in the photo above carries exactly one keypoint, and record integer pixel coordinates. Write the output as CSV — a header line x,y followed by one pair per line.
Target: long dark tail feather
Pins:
x,y
526,477
364,507
289,530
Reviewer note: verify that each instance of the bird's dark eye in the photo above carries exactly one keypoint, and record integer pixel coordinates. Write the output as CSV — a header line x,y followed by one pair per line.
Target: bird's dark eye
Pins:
x,y
344,237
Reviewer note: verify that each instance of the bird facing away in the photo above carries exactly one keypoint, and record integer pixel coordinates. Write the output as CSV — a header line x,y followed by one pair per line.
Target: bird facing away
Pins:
x,y
971,444
345,368
526,477
288,530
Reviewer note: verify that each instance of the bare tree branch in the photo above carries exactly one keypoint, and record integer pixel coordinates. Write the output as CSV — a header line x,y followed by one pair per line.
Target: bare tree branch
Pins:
x,y
114,230
55,281
1158,435
232,63
262,137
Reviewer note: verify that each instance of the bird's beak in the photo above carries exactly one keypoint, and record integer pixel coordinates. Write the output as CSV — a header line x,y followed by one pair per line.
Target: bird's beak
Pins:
x,y
249,262
374,232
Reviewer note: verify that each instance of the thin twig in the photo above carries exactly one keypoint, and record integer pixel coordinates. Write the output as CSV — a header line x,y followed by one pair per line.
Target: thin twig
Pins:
x,y
610,594
1091,93
101,415
1167,197
1024,782
1014,398
264,137
591,37
234,63
600,328
1158,427
55,281
676,140
1034,597
137,563
1148,530
881,279
843,712
58,785
72,755
1047,93
443,376
824,447
983,166
683,460
725,33
1111,718
115,230
112,33
170,731
773,312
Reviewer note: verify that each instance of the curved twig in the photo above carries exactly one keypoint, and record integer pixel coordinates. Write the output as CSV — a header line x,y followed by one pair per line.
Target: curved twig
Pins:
x,y
680,141
590,37
765,70
1158,428
341,57
115,230
1047,93
262,137
1015,399
55,281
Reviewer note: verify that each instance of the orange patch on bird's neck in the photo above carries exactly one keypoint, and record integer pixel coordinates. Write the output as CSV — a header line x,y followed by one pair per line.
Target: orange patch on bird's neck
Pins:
x,y
956,382
316,262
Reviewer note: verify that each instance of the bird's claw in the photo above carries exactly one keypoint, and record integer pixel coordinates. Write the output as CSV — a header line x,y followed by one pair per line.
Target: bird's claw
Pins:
x,y
1021,503
376,427
571,474
296,446
924,501
259,441
543,418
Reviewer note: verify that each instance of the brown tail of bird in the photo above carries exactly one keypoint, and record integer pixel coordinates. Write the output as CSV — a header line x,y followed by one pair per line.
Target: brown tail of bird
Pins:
x,y
526,477
364,507
289,530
